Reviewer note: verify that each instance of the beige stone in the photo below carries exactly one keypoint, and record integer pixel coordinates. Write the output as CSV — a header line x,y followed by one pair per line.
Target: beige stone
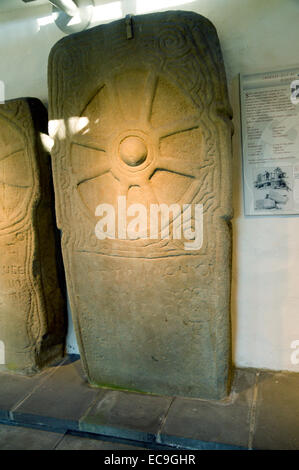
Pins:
x,y
147,119
32,309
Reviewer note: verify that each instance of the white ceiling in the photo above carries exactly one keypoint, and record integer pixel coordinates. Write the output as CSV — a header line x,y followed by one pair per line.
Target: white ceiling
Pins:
x,y
9,5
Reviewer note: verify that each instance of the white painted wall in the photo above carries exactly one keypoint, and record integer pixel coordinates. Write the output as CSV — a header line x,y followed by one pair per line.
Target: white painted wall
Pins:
x,y
255,35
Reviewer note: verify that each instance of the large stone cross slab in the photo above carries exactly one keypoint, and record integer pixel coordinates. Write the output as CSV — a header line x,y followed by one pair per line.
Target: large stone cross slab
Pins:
x,y
142,124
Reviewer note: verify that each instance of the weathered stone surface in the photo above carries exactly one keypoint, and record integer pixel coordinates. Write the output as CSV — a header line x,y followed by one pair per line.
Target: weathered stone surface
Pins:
x,y
147,119
32,309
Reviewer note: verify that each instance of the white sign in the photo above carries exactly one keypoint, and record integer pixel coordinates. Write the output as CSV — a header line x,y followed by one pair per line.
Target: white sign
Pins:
x,y
270,140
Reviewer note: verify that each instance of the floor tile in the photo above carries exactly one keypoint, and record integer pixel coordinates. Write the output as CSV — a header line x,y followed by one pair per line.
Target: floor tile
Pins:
x,y
84,443
126,415
225,422
19,438
14,388
277,412
60,401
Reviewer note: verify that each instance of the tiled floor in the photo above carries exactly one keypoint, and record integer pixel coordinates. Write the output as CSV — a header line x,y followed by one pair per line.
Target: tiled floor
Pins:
x,y
262,412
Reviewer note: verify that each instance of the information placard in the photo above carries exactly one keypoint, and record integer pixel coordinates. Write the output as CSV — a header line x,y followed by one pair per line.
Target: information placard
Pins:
x,y
270,140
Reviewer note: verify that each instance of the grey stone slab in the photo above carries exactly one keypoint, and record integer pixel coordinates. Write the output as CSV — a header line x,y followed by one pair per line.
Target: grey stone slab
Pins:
x,y
60,402
70,442
221,422
14,388
126,415
277,412
18,438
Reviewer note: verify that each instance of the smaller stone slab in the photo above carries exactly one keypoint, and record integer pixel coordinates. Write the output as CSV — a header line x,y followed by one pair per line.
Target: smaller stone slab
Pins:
x,y
32,307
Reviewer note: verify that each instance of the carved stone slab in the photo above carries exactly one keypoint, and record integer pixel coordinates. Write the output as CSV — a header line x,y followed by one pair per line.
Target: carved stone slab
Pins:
x,y
32,309
140,113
